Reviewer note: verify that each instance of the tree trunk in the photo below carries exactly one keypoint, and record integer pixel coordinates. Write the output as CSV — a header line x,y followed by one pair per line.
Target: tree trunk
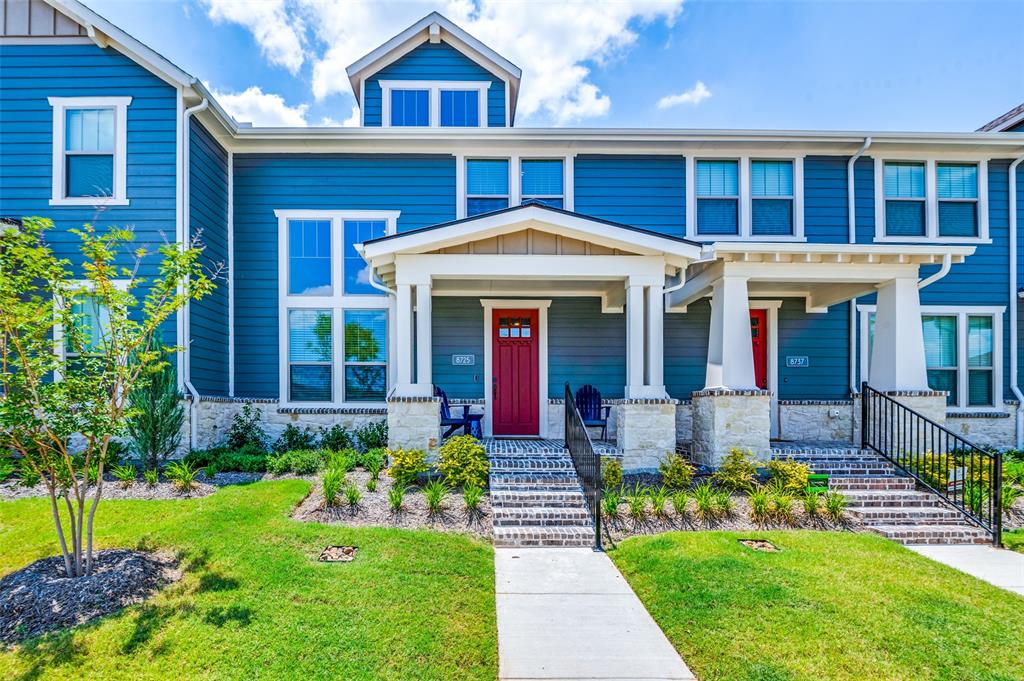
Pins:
x,y
60,532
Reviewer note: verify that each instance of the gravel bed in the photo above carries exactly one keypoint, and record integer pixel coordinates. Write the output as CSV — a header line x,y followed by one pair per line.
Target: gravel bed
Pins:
x,y
112,489
373,510
40,598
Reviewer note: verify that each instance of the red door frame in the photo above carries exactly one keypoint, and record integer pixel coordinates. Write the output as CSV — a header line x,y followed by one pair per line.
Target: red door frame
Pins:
x,y
759,346
515,379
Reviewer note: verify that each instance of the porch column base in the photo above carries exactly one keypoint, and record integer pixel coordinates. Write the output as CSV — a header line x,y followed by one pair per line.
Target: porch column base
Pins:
x,y
414,423
645,432
725,419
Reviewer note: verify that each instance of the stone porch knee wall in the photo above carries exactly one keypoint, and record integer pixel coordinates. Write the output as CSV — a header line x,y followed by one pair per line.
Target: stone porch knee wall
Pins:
x,y
414,423
988,429
645,432
727,419
819,420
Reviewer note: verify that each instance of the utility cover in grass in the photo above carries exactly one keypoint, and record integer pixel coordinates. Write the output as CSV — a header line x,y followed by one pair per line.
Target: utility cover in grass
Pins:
x,y
339,554
760,545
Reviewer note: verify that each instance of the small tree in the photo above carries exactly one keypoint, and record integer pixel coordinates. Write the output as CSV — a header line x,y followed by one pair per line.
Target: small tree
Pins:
x,y
46,399
154,424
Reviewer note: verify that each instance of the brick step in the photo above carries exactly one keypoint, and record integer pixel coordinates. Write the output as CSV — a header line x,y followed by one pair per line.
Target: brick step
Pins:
x,y
933,534
901,515
535,478
870,482
900,498
522,499
543,536
529,456
854,452
525,449
540,516
540,465
840,468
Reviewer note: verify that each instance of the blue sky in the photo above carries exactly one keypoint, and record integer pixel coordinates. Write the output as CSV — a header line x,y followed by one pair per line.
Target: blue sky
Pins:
x,y
928,66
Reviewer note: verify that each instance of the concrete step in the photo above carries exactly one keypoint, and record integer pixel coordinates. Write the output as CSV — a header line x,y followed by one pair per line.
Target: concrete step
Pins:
x,y
541,516
933,534
898,498
523,499
543,536
902,515
870,482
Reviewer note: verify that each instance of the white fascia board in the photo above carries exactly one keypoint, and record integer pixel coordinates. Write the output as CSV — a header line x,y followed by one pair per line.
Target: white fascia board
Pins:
x,y
914,250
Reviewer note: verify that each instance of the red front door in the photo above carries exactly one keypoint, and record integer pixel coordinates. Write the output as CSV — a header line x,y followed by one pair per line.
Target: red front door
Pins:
x,y
759,342
516,372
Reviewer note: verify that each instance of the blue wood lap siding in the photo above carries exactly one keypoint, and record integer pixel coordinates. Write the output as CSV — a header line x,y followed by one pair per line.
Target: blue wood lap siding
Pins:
x,y
421,187
686,349
31,73
434,62
824,340
208,213
641,191
458,329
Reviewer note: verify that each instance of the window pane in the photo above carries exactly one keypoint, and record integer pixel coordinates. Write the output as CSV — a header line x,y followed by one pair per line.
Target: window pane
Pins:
x,y
366,335
91,175
771,178
89,130
717,216
309,257
310,336
958,218
939,341
979,341
957,181
542,178
944,379
979,388
904,218
410,107
366,383
487,177
717,178
478,206
357,271
772,217
310,383
904,180
92,321
460,108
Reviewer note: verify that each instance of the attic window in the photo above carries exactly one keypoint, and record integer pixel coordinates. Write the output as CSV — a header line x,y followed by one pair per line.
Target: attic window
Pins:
x,y
434,104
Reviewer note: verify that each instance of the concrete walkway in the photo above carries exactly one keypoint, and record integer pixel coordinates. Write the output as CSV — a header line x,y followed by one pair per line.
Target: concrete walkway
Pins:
x,y
569,614
1003,568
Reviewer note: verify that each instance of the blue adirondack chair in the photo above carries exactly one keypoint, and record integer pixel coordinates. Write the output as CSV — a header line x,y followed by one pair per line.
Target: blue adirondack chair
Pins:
x,y
588,401
453,423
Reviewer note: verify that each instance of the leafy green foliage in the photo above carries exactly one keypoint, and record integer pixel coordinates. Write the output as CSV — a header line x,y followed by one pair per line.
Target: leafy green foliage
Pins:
x,y
723,503
372,435
679,502
611,472
336,438
352,495
1010,496
704,502
371,485
28,475
344,460
791,475
760,504
334,480
7,467
299,461
125,474
407,465
1013,472
151,477
471,496
435,491
835,506
659,500
396,497
294,437
246,430
636,503
374,460
737,472
782,507
676,472
249,459
812,504
463,460
156,414
182,474
610,500
210,471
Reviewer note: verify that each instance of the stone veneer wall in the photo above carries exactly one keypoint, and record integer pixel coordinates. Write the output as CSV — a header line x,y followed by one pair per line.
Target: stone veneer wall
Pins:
x,y
726,419
986,429
819,420
414,423
645,432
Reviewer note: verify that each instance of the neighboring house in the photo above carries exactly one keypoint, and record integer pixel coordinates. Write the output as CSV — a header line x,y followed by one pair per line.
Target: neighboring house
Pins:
x,y
1011,121
719,286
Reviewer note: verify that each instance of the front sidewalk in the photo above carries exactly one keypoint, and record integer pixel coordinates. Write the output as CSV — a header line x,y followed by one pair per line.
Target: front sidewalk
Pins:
x,y
569,614
1000,567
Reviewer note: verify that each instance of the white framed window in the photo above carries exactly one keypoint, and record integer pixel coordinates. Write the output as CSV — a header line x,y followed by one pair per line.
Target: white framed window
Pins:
x,y
542,180
484,184
90,160
434,103
730,198
963,352
92,319
487,185
335,330
925,199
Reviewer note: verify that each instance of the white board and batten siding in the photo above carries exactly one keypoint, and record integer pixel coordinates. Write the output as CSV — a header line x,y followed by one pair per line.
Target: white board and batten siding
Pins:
x,y
35,19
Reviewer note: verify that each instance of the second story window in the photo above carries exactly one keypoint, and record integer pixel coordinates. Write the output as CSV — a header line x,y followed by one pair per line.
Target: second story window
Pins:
x,y
410,108
89,150
904,184
486,185
460,109
434,103
543,181
718,196
958,199
357,272
771,195
309,258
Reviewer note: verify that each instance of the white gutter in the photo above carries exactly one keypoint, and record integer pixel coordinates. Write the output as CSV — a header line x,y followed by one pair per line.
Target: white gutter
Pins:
x,y
682,282
231,274
1014,302
947,262
851,228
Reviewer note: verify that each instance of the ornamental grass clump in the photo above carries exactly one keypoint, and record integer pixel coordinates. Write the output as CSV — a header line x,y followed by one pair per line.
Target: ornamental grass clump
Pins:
x,y
636,503
353,496
463,460
371,485
737,472
835,506
760,504
704,502
124,474
182,474
610,500
812,504
724,505
659,500
334,480
782,508
396,497
471,496
676,472
151,477
679,502
435,491
611,473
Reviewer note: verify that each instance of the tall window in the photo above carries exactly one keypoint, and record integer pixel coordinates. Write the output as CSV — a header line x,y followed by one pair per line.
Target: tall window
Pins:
x,y
543,181
309,258
366,351
92,323
486,185
958,199
718,196
357,272
310,354
771,194
980,361
904,199
410,108
89,150
460,108
940,353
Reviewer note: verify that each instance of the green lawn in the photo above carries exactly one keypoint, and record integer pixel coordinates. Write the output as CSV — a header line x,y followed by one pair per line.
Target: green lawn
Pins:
x,y
829,606
1014,540
254,603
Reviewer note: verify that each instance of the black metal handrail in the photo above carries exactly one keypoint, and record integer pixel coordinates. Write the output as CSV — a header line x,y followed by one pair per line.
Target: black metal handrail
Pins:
x,y
586,462
964,475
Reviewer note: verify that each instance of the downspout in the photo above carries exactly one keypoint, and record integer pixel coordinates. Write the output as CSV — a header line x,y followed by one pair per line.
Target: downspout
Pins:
x,y
947,261
1014,301
186,147
851,229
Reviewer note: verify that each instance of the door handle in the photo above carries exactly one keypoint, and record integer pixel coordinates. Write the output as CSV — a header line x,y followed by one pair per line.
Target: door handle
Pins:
x,y
494,387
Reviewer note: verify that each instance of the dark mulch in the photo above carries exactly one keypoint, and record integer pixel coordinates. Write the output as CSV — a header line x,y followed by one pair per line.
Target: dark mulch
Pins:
x,y
40,598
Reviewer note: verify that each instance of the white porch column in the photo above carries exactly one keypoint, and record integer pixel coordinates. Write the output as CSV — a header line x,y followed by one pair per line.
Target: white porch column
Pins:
x,y
403,329
730,358
424,348
656,339
897,357
634,338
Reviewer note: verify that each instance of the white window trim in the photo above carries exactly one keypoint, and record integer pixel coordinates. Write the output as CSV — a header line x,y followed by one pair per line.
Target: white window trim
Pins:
x,y
120,106
434,97
515,170
772,306
538,197
961,312
931,201
745,198
85,285
338,302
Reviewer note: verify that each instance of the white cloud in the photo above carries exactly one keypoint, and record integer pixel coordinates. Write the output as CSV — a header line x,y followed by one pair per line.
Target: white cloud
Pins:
x,y
694,96
557,45
262,108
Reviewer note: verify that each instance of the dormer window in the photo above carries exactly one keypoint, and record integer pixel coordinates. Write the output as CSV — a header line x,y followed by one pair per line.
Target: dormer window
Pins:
x,y
434,104
410,108
460,109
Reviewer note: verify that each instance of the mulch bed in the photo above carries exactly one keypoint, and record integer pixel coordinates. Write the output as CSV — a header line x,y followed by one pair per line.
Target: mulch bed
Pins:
x,y
373,510
40,598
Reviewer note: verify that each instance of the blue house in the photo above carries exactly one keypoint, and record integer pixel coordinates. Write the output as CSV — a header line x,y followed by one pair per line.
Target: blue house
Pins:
x,y
718,288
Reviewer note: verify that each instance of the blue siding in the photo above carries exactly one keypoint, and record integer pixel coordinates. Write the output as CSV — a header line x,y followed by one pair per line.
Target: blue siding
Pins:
x,y
823,339
434,62
825,198
421,187
585,346
458,328
208,214
31,73
686,349
642,191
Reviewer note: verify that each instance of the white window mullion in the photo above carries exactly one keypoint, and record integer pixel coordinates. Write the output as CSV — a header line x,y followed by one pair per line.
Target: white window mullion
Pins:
x,y
798,197
691,196
961,359
931,193
569,183
434,103
338,359
515,181
746,209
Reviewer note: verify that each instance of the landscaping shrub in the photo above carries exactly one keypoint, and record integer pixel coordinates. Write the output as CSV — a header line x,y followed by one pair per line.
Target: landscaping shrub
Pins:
x,y
737,472
156,414
760,504
151,477
396,497
471,496
299,461
336,438
182,474
436,492
210,471
611,473
407,465
659,498
679,500
294,438
610,500
7,467
835,506
125,474
249,459
344,460
247,430
463,461
92,473
636,503
1013,472
374,460
812,504
704,502
371,485
723,504
372,435
333,481
353,496
791,475
676,472
782,507
1010,496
